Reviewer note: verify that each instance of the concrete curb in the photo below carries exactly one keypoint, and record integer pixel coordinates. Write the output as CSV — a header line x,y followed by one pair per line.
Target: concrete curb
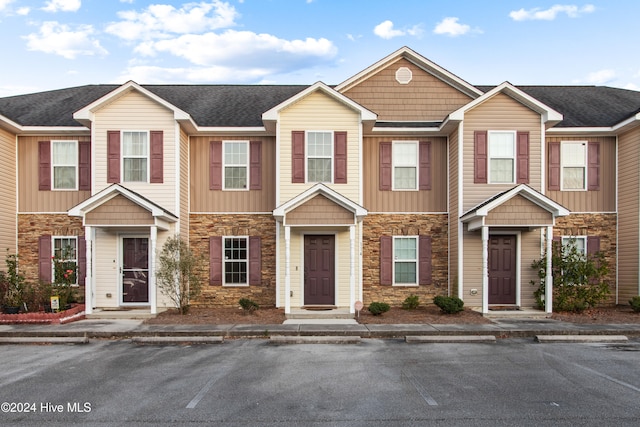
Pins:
x,y
581,338
324,339
168,340
435,339
44,340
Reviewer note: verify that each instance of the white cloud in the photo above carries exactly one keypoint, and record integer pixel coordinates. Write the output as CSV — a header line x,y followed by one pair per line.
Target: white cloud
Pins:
x,y
62,6
386,31
147,74
23,11
451,27
632,86
60,39
4,4
160,20
550,14
601,77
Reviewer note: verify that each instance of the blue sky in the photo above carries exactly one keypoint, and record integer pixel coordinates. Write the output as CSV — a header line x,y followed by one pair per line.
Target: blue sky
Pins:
x,y
51,44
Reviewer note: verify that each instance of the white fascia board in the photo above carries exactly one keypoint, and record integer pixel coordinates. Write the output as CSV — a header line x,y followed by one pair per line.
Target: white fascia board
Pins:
x,y
10,125
329,193
231,130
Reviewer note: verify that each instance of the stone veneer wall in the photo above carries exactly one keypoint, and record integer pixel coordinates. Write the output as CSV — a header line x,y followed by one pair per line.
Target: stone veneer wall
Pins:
x,y
203,226
603,225
376,225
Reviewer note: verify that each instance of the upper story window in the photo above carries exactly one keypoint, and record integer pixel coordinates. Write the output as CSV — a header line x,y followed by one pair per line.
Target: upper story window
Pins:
x,y
502,153
135,156
319,156
405,165
64,165
574,165
236,165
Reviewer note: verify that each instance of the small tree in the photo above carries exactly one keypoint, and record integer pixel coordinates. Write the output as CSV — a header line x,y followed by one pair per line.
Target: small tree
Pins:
x,y
177,273
578,280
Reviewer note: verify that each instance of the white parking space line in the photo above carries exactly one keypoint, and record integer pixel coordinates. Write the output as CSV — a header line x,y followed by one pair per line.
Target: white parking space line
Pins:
x,y
607,377
414,382
202,393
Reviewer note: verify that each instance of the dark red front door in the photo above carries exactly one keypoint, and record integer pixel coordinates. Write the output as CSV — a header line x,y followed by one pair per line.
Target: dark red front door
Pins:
x,y
319,268
502,269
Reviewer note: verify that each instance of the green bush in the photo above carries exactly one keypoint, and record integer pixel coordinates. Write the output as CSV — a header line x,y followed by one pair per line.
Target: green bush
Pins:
x,y
248,305
449,305
377,308
411,302
635,304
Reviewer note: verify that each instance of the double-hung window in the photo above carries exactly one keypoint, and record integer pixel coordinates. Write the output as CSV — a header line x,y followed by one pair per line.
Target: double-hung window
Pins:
x,y
502,151
236,260
574,165
319,156
64,165
579,242
405,260
65,255
135,156
405,165
236,165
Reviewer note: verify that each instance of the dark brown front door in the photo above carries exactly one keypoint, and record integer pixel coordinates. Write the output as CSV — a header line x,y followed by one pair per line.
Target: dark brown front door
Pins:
x,y
502,269
319,268
135,269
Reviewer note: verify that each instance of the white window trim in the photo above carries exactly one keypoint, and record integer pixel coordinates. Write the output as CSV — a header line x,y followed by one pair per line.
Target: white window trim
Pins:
x,y
53,254
148,156
393,165
580,237
224,263
307,157
246,165
585,165
53,166
514,158
417,261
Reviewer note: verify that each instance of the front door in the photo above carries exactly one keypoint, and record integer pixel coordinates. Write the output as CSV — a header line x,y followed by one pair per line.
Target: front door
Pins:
x,y
319,268
502,270
135,270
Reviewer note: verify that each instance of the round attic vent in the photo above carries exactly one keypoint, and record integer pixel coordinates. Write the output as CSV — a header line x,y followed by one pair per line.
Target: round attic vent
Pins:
x,y
403,75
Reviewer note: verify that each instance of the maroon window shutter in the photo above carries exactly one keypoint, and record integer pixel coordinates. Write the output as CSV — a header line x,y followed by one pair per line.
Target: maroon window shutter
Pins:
x,y
215,260
523,157
593,170
44,258
44,165
386,260
157,157
424,267
215,165
84,165
554,166
340,157
385,166
297,156
255,261
82,260
255,165
113,156
480,157
593,246
425,165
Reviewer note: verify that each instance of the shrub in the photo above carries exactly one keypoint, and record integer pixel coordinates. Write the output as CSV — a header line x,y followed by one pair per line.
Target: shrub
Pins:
x,y
377,308
248,305
635,304
578,280
411,302
449,305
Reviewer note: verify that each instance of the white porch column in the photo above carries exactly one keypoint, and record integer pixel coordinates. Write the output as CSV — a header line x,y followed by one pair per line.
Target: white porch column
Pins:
x,y
352,269
152,271
548,282
485,269
89,285
287,269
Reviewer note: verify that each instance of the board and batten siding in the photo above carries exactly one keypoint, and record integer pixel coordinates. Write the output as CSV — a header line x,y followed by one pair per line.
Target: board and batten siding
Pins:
x,y
501,112
602,200
424,98
434,200
319,112
8,217
30,198
184,185
205,200
134,111
629,215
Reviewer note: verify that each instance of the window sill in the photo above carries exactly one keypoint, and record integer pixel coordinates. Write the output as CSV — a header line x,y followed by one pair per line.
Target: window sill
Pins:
x,y
405,285
235,285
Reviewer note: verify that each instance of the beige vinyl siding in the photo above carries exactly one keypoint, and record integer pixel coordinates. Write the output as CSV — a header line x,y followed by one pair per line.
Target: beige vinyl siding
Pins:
x,y
319,211
425,98
454,249
628,215
107,267
136,112
501,112
8,217
531,244
119,211
205,200
319,112
434,200
184,185
519,211
472,272
603,200
30,198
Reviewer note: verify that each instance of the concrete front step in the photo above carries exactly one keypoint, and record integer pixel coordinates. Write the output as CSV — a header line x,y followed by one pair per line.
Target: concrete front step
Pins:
x,y
517,314
320,314
121,314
